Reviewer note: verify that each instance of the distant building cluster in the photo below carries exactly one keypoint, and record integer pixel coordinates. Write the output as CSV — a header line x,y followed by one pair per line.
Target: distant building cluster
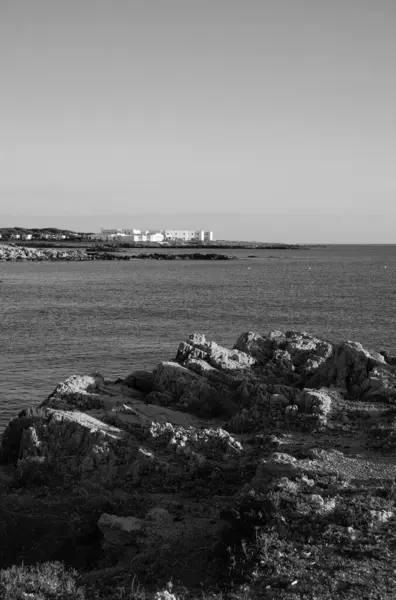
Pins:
x,y
24,237
163,235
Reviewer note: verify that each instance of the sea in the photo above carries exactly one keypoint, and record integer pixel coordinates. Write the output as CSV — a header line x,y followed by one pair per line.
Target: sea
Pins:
x,y
65,318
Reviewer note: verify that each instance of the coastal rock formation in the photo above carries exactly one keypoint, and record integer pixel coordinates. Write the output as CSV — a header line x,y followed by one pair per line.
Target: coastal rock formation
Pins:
x,y
94,255
189,256
12,253
247,461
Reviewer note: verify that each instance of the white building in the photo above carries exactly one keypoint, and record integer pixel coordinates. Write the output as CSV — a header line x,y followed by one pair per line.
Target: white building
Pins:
x,y
132,231
188,235
138,235
155,236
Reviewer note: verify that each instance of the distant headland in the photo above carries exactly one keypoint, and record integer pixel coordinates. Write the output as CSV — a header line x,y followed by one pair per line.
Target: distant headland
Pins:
x,y
54,237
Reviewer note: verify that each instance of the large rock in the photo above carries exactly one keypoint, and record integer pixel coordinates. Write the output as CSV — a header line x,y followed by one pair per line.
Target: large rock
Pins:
x,y
85,431
193,392
119,531
315,402
217,356
81,391
67,445
262,348
316,363
348,367
292,350
380,384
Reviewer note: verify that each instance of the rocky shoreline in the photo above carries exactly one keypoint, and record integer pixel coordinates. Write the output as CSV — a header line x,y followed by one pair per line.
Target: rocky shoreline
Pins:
x,y
160,256
262,471
10,253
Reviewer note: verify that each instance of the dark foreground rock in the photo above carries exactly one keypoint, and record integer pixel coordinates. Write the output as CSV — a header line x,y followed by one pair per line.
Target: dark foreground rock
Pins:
x,y
268,466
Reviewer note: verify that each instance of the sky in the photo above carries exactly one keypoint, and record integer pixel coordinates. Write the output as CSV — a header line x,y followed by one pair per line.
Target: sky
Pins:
x,y
268,120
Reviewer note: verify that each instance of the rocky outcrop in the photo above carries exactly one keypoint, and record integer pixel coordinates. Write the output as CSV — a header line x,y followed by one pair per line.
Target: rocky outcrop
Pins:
x,y
190,256
277,380
12,253
159,256
348,367
261,430
292,351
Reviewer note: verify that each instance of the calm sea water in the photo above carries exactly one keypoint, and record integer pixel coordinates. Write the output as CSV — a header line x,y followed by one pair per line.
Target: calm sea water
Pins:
x,y
58,319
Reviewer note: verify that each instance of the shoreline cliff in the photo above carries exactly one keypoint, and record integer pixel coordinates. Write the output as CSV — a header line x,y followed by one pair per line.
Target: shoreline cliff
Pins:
x,y
262,471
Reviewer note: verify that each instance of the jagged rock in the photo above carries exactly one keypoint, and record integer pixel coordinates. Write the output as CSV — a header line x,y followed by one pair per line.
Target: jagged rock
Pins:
x,y
217,356
15,253
192,392
79,391
348,366
199,444
261,348
290,350
316,402
72,444
318,505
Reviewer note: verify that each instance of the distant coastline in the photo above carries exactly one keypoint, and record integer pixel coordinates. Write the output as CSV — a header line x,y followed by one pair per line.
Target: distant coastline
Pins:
x,y
62,238
13,253
116,246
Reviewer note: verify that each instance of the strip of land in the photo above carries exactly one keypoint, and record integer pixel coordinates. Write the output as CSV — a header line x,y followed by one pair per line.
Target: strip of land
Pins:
x,y
12,253
62,238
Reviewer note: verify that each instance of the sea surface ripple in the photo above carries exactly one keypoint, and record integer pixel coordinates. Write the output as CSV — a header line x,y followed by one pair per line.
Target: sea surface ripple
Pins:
x,y
63,318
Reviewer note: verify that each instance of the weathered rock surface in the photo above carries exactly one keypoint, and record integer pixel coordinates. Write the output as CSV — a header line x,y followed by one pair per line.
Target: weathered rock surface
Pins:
x,y
285,426
25,253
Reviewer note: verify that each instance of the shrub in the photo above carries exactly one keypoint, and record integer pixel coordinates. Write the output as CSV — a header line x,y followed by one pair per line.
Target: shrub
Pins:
x,y
48,581
34,470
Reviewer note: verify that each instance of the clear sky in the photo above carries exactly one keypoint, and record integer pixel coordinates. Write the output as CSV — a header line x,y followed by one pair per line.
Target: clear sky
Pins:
x,y
272,120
